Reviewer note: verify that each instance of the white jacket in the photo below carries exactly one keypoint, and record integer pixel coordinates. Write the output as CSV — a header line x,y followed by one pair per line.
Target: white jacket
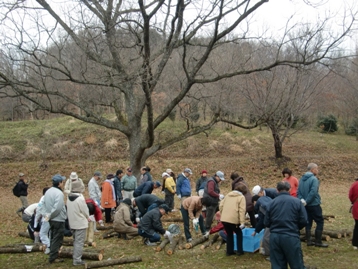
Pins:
x,y
77,211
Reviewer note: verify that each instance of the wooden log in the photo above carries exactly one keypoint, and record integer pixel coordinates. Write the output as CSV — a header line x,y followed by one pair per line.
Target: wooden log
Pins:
x,y
22,248
103,228
218,246
109,234
210,242
68,253
86,244
346,232
162,245
113,262
333,234
327,217
195,242
172,246
324,238
181,243
23,234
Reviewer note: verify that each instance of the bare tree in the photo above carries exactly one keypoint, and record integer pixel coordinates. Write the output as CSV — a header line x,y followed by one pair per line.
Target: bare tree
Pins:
x,y
90,58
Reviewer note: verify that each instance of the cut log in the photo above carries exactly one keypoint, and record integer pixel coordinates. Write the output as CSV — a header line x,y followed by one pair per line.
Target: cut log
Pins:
x,y
324,238
24,234
86,244
162,245
24,248
102,228
172,246
210,242
68,253
109,234
195,242
218,246
113,262
327,217
333,234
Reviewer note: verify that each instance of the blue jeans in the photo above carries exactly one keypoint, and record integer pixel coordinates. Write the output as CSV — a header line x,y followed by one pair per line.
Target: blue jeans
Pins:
x,y
285,249
152,238
185,215
314,213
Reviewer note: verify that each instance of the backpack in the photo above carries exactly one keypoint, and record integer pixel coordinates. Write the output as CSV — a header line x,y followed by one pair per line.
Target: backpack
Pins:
x,y
16,190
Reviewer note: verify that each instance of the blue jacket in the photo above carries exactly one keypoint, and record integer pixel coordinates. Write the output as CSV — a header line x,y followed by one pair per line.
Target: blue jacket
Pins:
x,y
146,187
271,192
260,208
183,186
308,189
286,215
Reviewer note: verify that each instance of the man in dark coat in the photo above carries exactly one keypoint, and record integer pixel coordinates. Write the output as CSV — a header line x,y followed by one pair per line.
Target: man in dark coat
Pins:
x,y
146,188
146,202
285,217
151,226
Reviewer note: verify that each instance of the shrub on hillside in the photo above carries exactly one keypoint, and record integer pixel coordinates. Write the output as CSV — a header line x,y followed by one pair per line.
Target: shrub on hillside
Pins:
x,y
352,128
328,124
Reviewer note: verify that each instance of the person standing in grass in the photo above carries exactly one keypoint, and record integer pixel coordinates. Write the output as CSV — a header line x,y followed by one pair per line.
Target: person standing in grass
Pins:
x,y
169,190
93,188
118,186
128,184
22,192
308,188
55,214
285,217
78,217
288,177
353,197
108,200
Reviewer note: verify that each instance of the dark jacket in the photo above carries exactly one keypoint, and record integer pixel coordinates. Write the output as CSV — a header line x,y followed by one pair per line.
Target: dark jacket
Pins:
x,y
248,196
308,189
214,195
146,177
151,222
146,200
286,215
146,187
22,188
200,183
117,188
271,192
261,206
183,186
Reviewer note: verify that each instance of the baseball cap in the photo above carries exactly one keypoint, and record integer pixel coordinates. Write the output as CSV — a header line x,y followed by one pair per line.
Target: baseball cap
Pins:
x,y
157,183
204,171
256,190
58,178
129,169
21,174
98,174
220,175
188,170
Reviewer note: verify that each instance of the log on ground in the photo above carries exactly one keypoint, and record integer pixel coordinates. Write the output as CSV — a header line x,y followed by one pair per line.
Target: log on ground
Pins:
x,y
324,238
113,262
86,244
24,234
162,244
210,242
333,234
102,228
67,253
109,234
195,242
22,248
218,246
172,246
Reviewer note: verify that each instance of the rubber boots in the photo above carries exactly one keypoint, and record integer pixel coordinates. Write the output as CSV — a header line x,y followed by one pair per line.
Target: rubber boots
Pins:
x,y
308,238
318,236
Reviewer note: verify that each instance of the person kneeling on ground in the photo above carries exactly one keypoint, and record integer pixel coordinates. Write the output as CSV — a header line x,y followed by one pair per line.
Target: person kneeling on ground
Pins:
x,y
122,220
151,226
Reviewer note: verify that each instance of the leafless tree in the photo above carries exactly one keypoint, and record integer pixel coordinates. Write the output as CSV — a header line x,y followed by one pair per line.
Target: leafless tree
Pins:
x,y
89,58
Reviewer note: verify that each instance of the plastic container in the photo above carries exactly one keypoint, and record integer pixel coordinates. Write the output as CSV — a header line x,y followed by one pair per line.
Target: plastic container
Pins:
x,y
250,243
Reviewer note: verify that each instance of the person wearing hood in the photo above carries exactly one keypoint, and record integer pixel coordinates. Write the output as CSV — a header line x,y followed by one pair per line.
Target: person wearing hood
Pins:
x,y
308,188
122,220
108,199
232,211
78,218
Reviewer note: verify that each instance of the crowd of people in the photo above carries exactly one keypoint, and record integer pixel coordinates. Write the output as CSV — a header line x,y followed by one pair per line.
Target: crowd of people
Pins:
x,y
130,206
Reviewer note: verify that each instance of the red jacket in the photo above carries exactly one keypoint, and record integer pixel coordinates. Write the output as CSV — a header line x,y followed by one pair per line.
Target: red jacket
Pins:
x,y
353,197
217,228
97,210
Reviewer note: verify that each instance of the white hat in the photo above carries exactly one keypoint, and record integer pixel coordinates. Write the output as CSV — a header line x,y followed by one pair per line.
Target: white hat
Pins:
x,y
220,175
73,176
165,174
256,190
169,171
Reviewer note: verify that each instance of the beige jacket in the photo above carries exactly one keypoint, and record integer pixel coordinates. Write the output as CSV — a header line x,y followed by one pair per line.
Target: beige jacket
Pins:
x,y
122,218
193,204
233,208
77,211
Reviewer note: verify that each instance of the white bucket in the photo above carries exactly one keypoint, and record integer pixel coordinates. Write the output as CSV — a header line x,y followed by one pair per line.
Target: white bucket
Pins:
x,y
28,248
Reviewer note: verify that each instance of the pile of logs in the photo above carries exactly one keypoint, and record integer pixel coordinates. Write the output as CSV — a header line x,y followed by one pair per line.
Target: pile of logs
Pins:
x,y
328,234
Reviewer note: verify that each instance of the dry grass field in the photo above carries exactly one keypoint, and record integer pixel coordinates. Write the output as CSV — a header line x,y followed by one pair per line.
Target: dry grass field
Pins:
x,y
248,152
